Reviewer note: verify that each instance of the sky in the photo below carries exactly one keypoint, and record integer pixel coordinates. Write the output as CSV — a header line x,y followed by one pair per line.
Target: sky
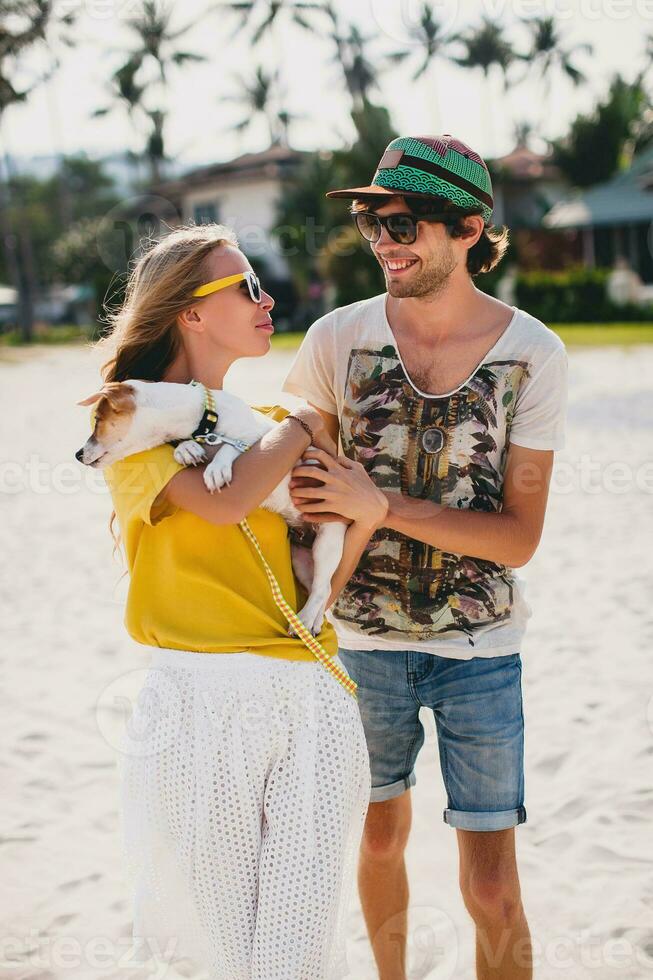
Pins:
x,y
57,118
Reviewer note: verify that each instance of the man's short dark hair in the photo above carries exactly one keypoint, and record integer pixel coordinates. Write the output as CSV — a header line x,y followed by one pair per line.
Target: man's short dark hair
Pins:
x,y
483,256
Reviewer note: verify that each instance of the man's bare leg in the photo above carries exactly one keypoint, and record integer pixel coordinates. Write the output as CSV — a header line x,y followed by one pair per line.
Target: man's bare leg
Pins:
x,y
383,883
489,882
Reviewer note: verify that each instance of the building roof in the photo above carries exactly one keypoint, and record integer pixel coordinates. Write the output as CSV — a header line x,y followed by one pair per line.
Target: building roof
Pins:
x,y
522,163
624,199
273,162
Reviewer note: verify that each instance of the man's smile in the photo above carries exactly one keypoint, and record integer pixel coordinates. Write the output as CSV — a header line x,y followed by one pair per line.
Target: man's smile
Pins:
x,y
397,266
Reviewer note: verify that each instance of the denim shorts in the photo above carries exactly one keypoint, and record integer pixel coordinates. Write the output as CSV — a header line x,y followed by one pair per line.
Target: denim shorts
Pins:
x,y
477,705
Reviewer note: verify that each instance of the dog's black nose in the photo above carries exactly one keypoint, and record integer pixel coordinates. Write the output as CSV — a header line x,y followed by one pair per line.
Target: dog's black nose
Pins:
x,y
79,454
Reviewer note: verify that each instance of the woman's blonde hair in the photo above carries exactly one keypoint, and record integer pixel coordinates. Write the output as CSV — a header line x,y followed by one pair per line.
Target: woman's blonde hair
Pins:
x,y
143,337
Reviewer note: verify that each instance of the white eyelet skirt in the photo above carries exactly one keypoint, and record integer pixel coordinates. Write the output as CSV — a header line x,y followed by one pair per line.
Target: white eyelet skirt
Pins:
x,y
245,782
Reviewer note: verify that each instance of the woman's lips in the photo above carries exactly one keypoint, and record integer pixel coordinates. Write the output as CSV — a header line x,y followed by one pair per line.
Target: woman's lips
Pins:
x,y
267,326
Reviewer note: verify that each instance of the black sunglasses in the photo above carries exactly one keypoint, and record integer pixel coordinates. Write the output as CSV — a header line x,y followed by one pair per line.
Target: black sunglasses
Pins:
x,y
402,228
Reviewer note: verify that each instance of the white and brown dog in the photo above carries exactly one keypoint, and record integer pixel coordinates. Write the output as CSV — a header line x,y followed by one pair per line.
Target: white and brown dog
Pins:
x,y
133,416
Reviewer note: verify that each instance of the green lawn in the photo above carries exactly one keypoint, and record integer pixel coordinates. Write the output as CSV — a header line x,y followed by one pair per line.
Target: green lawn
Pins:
x,y
604,334
572,334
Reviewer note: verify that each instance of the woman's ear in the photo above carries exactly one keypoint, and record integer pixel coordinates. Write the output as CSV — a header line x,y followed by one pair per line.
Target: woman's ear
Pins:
x,y
189,319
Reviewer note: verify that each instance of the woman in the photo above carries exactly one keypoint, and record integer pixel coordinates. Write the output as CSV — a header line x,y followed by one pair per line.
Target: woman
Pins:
x,y
245,775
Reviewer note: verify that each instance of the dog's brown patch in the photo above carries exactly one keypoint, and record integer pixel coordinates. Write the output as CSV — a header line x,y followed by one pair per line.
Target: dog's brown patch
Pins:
x,y
116,404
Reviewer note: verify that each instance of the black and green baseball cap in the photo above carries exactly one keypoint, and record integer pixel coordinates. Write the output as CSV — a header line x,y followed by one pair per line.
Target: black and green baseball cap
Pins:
x,y
430,166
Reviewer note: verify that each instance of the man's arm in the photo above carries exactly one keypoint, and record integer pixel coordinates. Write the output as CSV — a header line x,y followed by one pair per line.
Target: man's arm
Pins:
x,y
509,537
331,422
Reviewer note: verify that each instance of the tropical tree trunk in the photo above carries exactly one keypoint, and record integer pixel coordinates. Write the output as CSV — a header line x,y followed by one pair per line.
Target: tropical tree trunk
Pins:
x,y
20,259
434,96
9,239
488,113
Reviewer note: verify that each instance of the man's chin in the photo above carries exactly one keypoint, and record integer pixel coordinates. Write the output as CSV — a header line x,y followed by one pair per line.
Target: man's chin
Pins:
x,y
400,289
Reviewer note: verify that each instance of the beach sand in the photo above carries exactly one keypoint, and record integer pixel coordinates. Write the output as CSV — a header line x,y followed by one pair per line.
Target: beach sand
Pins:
x,y
586,850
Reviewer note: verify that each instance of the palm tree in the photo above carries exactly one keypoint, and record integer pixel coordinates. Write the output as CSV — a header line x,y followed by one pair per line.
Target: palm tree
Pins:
x,y
522,132
24,25
547,53
261,18
259,97
152,25
126,94
144,76
486,48
429,44
274,12
359,72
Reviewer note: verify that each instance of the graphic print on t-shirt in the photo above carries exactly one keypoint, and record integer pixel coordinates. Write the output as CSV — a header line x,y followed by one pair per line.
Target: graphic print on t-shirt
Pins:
x,y
450,449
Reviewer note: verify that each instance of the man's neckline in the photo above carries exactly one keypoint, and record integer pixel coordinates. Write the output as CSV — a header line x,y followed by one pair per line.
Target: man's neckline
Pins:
x,y
446,394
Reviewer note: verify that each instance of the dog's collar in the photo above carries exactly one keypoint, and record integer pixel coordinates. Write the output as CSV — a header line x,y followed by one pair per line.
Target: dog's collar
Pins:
x,y
209,419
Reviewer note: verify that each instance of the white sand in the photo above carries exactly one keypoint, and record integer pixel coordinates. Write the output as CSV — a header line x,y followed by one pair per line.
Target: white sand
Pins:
x,y
586,851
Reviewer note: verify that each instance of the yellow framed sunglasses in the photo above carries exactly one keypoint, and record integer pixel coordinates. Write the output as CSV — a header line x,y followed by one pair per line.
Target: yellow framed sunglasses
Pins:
x,y
252,280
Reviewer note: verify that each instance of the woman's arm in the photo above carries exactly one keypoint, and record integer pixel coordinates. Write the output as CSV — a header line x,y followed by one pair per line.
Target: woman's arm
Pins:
x,y
255,474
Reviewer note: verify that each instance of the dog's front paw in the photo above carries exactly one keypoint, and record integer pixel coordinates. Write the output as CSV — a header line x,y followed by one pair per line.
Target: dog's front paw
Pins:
x,y
219,471
189,453
311,617
215,477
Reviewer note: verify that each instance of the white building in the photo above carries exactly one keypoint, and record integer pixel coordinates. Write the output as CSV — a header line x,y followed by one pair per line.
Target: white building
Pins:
x,y
242,193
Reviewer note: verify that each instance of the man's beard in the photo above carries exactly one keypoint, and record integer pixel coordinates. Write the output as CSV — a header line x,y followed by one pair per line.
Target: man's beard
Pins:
x,y
430,281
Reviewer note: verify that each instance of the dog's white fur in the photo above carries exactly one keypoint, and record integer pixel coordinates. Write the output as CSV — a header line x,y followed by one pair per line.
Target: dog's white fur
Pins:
x,y
149,414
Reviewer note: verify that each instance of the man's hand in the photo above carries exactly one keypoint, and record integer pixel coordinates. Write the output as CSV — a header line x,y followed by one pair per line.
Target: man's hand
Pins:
x,y
345,492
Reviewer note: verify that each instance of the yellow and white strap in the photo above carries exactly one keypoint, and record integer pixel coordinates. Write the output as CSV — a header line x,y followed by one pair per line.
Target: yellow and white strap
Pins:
x,y
311,642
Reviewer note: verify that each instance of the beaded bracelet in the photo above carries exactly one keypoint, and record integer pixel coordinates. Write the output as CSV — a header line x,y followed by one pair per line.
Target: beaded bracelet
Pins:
x,y
304,426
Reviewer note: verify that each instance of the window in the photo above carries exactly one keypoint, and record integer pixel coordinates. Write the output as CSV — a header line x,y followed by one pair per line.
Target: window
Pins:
x,y
205,213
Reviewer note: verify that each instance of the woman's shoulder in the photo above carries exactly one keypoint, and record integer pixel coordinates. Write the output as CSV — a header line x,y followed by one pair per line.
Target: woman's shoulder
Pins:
x,y
136,483
276,412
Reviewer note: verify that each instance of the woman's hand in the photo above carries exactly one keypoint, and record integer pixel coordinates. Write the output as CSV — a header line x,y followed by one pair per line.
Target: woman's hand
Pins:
x,y
346,491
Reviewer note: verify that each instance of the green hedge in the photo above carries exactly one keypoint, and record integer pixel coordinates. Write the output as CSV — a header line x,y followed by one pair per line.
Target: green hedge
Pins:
x,y
577,295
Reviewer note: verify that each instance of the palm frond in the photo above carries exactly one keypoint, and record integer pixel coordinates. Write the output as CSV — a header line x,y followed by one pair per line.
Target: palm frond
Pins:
x,y
182,57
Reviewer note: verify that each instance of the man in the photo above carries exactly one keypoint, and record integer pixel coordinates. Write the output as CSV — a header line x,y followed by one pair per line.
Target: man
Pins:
x,y
454,404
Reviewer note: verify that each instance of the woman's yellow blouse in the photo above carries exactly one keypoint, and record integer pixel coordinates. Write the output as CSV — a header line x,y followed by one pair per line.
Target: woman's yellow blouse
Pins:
x,y
200,586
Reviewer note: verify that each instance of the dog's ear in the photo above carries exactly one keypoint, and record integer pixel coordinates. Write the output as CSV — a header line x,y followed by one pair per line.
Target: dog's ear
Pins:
x,y
120,396
92,399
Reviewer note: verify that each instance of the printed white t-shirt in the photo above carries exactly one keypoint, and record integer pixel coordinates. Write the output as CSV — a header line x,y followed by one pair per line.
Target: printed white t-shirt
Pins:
x,y
452,449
